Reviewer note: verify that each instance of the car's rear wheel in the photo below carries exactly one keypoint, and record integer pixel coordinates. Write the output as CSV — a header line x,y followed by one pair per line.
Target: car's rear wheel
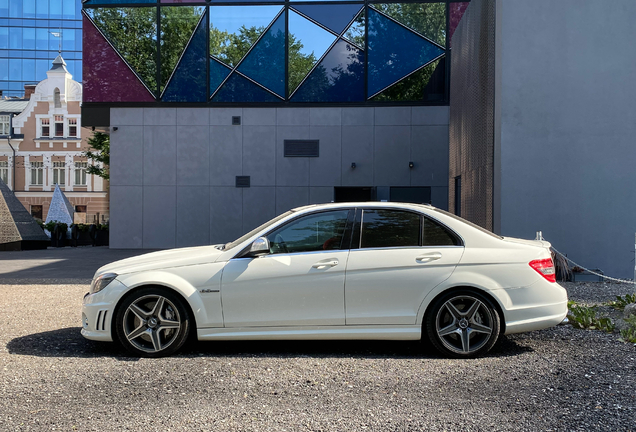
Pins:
x,y
463,324
152,322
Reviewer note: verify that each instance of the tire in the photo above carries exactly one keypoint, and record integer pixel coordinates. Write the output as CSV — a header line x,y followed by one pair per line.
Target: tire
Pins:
x,y
152,322
463,324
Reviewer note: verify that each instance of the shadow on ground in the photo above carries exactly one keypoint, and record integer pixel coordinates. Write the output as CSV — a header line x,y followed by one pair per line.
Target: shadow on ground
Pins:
x,y
68,342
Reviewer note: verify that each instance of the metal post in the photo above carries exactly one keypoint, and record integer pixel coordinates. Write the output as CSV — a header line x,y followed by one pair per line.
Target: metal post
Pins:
x,y
634,260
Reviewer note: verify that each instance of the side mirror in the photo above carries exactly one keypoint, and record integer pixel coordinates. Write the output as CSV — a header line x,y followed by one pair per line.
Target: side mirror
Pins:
x,y
260,246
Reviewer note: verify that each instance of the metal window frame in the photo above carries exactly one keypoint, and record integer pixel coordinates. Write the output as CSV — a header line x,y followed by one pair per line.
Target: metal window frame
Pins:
x,y
286,5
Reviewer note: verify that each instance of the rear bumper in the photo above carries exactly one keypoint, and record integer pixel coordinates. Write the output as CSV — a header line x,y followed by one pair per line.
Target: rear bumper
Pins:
x,y
536,307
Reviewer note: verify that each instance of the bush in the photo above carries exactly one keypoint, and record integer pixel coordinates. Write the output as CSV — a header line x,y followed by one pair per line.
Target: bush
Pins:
x,y
584,317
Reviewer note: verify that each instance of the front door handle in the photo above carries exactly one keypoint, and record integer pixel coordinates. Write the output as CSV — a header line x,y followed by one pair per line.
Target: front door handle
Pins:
x,y
428,257
329,263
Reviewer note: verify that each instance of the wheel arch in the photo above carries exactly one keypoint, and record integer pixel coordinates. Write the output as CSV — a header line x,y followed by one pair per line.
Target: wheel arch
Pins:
x,y
187,296
465,287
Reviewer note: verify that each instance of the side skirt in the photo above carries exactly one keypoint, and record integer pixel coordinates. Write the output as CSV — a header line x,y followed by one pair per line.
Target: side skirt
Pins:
x,y
397,332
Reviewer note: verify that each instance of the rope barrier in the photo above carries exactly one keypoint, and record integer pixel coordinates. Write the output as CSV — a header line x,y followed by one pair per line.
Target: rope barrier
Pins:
x,y
593,272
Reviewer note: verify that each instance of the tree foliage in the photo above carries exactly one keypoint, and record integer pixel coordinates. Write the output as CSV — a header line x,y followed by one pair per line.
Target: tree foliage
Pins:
x,y
99,152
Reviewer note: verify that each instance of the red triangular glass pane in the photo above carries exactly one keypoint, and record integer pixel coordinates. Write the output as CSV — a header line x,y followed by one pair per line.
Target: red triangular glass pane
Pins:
x,y
106,77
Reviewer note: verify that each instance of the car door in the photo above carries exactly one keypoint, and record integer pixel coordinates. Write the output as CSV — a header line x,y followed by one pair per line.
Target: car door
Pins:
x,y
300,282
396,257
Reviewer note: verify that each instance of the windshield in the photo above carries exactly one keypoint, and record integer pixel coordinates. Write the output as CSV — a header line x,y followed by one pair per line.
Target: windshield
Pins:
x,y
255,230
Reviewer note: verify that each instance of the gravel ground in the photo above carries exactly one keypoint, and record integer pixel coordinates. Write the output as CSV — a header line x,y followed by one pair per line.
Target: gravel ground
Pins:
x,y
557,379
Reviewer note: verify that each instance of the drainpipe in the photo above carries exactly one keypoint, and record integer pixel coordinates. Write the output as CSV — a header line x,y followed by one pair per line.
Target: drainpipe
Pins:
x,y
11,116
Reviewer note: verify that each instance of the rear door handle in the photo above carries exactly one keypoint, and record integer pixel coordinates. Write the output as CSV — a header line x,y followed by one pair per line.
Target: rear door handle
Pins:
x,y
428,257
331,263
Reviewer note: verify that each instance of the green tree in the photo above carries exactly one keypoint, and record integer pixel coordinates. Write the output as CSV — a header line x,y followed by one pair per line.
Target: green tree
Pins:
x,y
99,151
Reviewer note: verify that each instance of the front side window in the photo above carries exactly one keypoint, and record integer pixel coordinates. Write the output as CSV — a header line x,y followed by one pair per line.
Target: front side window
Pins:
x,y
4,125
58,173
390,228
45,127
37,173
315,232
4,171
80,173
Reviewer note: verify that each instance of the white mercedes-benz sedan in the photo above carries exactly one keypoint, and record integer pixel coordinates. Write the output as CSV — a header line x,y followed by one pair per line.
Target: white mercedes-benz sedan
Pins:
x,y
334,271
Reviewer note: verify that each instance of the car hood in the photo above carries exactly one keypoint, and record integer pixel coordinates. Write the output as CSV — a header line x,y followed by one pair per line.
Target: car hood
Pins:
x,y
539,243
163,259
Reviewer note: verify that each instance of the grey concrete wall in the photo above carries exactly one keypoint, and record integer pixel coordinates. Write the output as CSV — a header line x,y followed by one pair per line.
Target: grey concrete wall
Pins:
x,y
568,127
173,170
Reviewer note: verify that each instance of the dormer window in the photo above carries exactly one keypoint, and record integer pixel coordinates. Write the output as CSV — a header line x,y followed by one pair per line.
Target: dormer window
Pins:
x,y
45,128
59,125
56,98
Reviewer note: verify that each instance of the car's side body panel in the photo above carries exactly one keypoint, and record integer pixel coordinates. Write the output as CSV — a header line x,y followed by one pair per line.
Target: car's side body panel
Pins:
x,y
387,286
301,289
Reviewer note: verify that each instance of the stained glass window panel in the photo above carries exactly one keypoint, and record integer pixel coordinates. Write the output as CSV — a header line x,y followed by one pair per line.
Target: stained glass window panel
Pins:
x,y
240,89
338,78
177,27
335,17
235,29
428,19
106,77
218,72
355,32
307,43
394,52
188,82
265,63
133,33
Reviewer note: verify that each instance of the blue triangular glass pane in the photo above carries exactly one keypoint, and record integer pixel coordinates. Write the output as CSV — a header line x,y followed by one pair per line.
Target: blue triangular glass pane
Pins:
x,y
394,52
239,89
218,72
333,16
338,78
188,81
119,1
265,64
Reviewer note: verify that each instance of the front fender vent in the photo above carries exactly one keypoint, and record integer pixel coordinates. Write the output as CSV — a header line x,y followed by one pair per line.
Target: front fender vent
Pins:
x,y
100,324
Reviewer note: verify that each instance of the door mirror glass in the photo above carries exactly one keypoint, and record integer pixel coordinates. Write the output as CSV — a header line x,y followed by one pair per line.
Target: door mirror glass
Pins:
x,y
259,246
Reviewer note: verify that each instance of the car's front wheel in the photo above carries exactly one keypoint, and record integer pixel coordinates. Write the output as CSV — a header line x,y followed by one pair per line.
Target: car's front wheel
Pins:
x,y
152,322
463,324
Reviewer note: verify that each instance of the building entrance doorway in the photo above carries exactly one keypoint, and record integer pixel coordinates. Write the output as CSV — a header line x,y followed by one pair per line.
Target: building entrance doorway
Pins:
x,y
355,194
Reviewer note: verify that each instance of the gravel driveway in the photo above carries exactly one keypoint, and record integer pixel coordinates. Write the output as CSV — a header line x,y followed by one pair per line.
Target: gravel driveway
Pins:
x,y
556,379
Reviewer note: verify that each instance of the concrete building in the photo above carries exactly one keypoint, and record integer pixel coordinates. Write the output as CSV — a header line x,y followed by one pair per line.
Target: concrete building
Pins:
x,y
296,104
525,125
542,125
41,145
31,33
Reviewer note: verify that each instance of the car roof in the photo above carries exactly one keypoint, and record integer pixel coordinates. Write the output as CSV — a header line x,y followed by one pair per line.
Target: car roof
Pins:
x,y
373,204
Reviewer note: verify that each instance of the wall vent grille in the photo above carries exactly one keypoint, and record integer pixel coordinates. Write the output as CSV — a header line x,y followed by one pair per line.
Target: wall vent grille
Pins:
x,y
302,148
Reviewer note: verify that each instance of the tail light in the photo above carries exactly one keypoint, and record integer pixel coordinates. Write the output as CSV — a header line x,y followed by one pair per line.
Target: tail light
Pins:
x,y
545,267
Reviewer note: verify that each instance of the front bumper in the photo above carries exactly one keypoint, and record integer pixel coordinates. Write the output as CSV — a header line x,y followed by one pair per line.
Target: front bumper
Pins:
x,y
97,312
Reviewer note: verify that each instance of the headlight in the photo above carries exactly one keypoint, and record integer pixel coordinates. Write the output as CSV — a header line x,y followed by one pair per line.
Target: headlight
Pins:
x,y
100,282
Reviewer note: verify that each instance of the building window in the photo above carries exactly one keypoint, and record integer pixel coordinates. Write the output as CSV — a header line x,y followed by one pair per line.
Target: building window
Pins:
x,y
45,127
37,173
5,125
59,125
56,98
80,173
36,211
72,127
4,171
58,173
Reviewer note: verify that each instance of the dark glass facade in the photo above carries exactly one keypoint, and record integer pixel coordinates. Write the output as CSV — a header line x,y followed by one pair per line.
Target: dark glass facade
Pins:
x,y
246,51
29,41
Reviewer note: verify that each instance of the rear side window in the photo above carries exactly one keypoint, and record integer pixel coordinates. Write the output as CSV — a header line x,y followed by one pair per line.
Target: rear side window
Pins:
x,y
390,228
438,235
